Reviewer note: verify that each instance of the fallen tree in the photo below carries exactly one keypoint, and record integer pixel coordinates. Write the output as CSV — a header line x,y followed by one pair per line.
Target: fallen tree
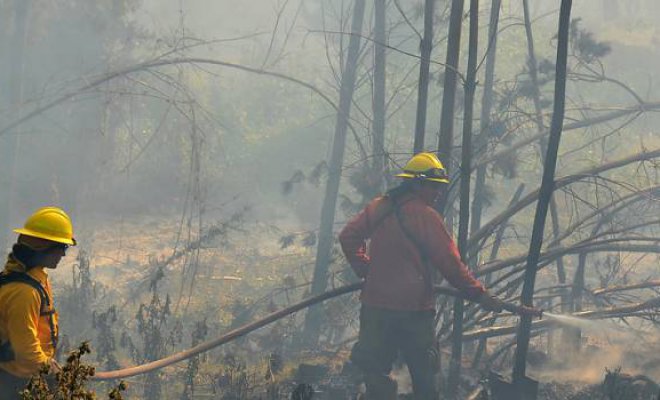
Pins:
x,y
636,309
559,183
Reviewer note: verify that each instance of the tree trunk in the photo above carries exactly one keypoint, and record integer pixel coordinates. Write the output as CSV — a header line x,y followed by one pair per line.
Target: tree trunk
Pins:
x,y
543,143
466,168
426,46
313,318
484,128
488,278
538,117
379,89
547,188
574,335
10,142
446,139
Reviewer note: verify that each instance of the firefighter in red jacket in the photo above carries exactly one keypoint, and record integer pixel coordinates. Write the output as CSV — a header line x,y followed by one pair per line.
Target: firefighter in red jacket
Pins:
x,y
407,238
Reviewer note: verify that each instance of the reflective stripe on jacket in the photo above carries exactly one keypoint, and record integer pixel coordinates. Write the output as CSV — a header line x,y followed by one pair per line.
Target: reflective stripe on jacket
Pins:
x,y
392,263
22,324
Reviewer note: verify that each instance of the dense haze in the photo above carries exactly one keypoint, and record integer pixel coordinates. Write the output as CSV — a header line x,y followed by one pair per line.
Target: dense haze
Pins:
x,y
147,162
76,154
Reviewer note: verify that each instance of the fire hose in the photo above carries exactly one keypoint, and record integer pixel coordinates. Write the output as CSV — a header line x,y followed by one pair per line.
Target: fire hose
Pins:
x,y
270,318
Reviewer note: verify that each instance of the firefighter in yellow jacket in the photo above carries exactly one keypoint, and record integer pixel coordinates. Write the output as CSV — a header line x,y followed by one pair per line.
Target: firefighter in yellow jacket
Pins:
x,y
28,321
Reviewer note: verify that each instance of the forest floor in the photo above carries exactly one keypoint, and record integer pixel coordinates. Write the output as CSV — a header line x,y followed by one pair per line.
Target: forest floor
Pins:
x,y
245,275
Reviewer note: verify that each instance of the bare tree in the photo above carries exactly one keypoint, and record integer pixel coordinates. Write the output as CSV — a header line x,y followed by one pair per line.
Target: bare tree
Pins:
x,y
466,170
481,139
446,139
545,193
380,7
326,238
532,66
426,46
10,147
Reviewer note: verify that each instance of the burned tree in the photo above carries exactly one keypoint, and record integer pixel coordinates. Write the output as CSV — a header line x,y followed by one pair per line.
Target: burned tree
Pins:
x,y
466,171
325,240
545,193
426,46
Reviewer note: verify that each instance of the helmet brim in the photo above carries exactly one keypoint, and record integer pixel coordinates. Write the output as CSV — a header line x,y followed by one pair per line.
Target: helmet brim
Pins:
x,y
41,235
407,175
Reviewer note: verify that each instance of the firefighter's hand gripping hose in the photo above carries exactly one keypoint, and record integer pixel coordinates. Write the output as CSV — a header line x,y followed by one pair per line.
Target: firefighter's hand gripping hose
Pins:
x,y
245,329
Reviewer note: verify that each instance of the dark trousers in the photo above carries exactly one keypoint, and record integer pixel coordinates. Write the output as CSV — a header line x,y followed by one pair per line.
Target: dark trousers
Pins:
x,y
10,385
383,334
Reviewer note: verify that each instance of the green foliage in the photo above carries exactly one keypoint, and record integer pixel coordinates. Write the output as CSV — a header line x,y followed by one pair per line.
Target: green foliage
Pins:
x,y
199,333
309,240
305,239
104,323
506,166
287,240
151,320
584,45
233,380
299,177
77,298
69,383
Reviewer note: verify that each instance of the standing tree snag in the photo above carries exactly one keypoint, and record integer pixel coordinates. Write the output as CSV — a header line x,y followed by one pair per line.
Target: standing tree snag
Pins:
x,y
426,46
545,193
379,90
320,280
9,145
481,140
466,161
446,139
543,142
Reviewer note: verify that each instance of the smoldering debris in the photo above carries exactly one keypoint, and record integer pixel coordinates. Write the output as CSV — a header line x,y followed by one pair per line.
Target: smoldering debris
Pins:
x,y
616,385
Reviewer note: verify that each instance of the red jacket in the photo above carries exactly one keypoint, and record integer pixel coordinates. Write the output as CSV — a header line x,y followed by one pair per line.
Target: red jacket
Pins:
x,y
392,263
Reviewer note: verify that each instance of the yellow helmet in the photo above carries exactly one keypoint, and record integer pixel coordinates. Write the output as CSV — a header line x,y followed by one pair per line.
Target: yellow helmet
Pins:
x,y
425,166
50,223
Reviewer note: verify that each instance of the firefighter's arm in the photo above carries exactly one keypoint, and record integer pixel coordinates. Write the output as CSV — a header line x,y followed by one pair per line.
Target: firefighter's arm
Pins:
x,y
353,240
444,255
23,319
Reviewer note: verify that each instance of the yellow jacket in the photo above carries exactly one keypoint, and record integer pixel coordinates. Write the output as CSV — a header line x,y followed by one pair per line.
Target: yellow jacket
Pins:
x,y
21,322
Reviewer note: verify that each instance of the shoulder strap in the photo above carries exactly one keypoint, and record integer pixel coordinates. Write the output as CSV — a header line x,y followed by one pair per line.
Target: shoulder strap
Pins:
x,y
45,309
426,274
387,213
27,279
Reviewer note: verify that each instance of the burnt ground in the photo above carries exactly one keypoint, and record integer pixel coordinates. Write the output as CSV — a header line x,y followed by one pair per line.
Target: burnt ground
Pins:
x,y
616,385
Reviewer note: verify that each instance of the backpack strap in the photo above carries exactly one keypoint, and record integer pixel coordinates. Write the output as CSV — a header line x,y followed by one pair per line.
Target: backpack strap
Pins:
x,y
392,208
426,273
395,209
45,309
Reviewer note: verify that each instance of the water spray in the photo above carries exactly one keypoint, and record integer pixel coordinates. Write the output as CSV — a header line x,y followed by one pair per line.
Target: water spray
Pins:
x,y
569,320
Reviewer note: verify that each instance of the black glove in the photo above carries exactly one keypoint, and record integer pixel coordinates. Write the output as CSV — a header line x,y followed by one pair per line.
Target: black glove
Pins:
x,y
490,303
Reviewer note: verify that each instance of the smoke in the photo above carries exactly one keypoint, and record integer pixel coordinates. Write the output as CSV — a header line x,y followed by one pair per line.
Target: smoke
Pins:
x,y
606,345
